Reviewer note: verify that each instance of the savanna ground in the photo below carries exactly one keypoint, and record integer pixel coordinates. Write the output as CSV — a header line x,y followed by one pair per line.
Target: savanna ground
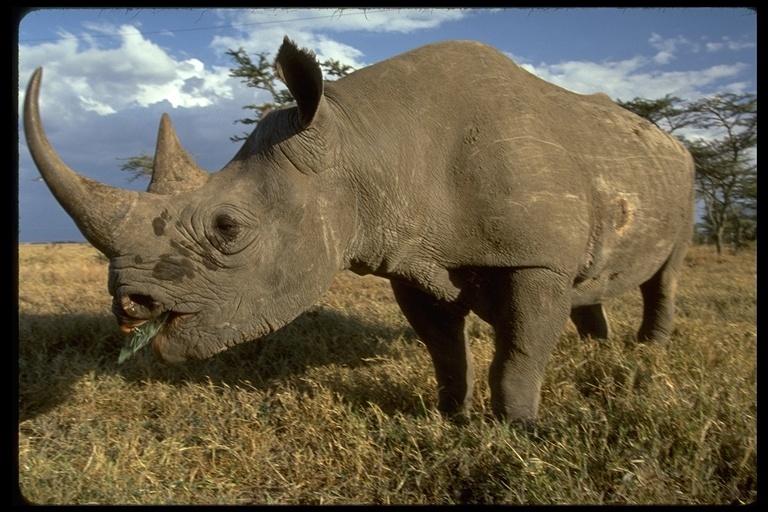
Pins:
x,y
339,406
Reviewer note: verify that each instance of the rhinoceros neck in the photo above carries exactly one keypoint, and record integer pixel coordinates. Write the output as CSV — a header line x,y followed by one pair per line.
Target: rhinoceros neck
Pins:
x,y
398,227
399,188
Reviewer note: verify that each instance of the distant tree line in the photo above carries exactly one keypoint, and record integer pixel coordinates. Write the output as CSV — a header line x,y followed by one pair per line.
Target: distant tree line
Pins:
x,y
726,162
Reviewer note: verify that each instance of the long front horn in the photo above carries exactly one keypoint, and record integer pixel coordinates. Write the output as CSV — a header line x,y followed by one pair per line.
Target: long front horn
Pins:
x,y
97,209
174,171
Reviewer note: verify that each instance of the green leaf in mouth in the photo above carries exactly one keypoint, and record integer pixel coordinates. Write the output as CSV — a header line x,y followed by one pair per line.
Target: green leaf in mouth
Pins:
x,y
142,335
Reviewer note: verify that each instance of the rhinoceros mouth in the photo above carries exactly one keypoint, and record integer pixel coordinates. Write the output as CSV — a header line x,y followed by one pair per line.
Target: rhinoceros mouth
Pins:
x,y
172,319
173,323
128,323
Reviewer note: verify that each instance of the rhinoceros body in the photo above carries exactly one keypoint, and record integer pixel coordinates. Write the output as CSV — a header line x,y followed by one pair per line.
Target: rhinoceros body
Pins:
x,y
468,182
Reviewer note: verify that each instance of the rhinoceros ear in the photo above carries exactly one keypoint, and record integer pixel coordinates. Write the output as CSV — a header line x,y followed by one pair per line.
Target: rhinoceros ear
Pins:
x,y
301,73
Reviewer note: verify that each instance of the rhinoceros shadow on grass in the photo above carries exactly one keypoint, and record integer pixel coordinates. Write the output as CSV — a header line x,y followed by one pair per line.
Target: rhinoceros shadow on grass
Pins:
x,y
468,182
315,338
81,344
55,351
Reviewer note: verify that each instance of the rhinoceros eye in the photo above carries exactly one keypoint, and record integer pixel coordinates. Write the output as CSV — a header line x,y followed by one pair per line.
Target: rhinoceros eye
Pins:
x,y
227,227
225,233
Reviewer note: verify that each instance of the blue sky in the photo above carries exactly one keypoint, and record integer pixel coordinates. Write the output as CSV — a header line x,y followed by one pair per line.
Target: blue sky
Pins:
x,y
109,74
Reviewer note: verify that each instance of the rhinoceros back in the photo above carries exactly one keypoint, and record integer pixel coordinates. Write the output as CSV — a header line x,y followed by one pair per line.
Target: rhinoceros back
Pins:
x,y
507,169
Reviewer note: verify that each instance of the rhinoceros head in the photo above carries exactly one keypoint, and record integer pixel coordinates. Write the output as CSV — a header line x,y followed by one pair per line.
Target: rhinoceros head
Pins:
x,y
230,256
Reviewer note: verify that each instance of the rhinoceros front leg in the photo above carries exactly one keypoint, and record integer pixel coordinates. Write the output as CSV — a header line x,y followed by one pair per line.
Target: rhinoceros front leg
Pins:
x,y
532,311
591,321
441,328
659,299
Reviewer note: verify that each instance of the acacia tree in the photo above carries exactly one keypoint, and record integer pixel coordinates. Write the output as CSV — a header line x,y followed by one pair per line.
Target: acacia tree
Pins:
x,y
726,168
667,113
726,172
138,166
255,72
261,75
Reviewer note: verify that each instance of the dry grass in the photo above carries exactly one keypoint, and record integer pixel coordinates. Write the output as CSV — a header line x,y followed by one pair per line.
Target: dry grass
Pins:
x,y
339,406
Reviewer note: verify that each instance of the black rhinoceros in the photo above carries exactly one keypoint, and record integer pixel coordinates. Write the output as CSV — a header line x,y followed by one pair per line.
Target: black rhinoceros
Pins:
x,y
468,182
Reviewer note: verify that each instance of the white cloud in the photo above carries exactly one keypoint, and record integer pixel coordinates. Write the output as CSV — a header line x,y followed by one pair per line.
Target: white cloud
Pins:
x,y
92,105
728,44
110,68
669,47
341,20
635,77
260,28
401,20
105,75
647,76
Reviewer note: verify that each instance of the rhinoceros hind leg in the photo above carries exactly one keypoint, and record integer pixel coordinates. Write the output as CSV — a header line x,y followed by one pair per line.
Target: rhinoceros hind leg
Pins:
x,y
531,313
659,300
591,321
441,328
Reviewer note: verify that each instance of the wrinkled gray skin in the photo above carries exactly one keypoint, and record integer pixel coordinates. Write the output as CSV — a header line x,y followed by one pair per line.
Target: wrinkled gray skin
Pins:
x,y
468,182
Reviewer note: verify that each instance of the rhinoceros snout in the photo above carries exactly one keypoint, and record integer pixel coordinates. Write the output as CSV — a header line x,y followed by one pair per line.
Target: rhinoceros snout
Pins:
x,y
133,309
